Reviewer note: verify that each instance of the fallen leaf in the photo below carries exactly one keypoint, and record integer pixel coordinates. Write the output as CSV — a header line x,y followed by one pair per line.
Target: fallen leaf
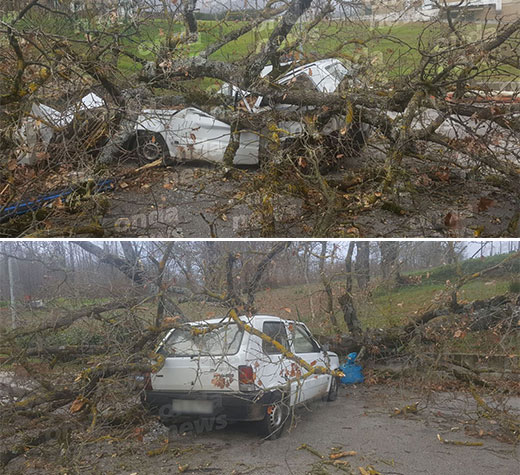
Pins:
x,y
451,220
138,433
78,404
286,309
353,231
368,471
424,180
485,203
442,176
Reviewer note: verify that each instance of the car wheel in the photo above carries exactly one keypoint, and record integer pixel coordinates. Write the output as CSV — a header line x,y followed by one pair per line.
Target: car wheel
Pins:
x,y
151,147
275,418
334,388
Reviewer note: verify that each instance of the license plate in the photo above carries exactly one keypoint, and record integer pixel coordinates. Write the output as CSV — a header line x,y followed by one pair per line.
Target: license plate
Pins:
x,y
188,406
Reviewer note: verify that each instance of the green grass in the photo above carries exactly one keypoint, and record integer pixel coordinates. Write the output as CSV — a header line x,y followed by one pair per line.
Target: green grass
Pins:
x,y
451,272
395,49
396,307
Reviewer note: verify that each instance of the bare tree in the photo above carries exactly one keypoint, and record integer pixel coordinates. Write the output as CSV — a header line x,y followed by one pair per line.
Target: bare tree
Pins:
x,y
363,264
346,300
421,107
389,259
326,281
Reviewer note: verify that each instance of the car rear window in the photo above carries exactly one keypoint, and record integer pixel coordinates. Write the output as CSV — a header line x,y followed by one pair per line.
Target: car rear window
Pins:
x,y
221,341
337,70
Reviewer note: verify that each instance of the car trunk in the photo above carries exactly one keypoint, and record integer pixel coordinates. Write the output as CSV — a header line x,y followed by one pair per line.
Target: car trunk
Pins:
x,y
203,362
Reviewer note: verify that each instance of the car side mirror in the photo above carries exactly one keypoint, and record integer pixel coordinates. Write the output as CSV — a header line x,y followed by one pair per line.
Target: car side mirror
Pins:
x,y
325,347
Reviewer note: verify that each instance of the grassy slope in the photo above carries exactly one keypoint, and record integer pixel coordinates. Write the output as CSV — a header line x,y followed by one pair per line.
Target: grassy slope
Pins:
x,y
382,308
397,45
394,44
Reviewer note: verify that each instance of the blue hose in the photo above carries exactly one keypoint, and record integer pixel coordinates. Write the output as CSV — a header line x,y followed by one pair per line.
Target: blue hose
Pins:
x,y
23,207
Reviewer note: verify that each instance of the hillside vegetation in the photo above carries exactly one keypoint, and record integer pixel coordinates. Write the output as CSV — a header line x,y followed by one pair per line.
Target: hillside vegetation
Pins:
x,y
378,307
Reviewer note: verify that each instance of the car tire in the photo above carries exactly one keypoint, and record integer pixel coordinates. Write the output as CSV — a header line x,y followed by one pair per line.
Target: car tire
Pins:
x,y
275,418
333,390
151,147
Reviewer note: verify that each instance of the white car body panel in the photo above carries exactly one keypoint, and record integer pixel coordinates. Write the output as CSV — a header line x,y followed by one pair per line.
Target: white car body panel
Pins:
x,y
39,127
200,373
193,134
326,74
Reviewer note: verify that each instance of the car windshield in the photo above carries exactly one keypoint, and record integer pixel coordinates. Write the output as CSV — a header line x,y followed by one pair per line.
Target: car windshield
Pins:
x,y
337,70
224,340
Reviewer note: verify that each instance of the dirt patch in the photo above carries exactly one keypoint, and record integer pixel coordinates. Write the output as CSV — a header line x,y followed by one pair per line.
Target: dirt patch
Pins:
x,y
193,200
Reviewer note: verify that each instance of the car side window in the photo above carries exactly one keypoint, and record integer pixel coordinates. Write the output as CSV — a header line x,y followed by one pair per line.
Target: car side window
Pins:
x,y
276,330
303,342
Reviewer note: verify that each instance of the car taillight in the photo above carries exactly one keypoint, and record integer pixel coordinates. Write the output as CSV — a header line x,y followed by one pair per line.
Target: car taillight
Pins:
x,y
246,378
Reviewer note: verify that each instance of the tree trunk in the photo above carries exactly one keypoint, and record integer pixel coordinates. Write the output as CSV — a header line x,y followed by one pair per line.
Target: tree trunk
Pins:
x,y
12,302
362,266
346,300
188,11
389,260
326,285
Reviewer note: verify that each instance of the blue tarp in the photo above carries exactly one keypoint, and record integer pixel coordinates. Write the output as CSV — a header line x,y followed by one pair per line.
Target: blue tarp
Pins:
x,y
353,372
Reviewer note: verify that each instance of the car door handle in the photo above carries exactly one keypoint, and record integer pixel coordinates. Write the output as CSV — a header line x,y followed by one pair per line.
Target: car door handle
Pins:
x,y
159,375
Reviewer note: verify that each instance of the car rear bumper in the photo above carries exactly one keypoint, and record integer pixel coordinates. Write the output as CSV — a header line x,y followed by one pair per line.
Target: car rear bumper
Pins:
x,y
237,406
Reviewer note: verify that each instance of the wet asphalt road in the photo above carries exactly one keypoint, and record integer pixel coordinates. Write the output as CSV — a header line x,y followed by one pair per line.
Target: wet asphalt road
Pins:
x,y
360,420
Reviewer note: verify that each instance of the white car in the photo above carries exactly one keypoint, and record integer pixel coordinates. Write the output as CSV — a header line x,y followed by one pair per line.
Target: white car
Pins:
x,y
214,368
187,134
44,123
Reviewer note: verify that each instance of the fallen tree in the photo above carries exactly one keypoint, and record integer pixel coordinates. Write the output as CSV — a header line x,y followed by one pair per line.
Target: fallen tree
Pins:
x,y
432,111
502,313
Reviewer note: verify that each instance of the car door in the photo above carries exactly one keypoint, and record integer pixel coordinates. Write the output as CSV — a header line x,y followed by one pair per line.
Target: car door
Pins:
x,y
306,348
272,368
